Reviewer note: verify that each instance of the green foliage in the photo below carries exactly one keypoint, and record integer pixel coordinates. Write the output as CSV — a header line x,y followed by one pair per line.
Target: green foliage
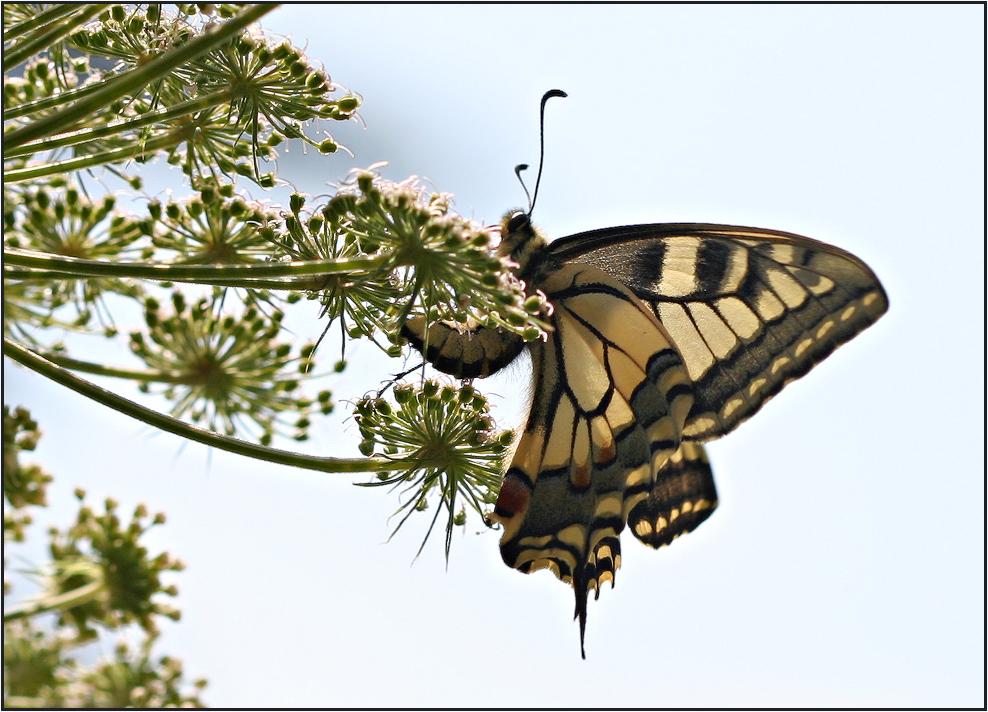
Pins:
x,y
101,578
221,107
92,93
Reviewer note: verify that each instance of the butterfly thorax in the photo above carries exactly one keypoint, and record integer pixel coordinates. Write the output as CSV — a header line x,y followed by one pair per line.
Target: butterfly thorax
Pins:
x,y
528,248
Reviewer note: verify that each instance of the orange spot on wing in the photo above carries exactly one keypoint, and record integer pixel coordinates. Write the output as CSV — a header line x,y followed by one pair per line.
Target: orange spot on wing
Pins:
x,y
606,453
513,497
581,475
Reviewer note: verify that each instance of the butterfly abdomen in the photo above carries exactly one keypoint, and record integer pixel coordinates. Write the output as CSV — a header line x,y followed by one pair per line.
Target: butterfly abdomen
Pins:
x,y
463,352
472,351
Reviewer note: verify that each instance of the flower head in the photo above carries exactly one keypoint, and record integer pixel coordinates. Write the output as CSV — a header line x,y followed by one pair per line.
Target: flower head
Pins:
x,y
447,442
100,554
229,373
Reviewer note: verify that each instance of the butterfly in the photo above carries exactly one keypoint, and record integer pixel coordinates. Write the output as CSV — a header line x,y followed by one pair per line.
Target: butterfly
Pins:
x,y
663,337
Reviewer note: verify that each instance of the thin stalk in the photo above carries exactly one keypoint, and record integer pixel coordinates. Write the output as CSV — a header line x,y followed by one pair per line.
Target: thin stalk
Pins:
x,y
47,604
133,374
43,39
136,79
222,275
79,163
302,284
65,97
43,366
118,127
39,20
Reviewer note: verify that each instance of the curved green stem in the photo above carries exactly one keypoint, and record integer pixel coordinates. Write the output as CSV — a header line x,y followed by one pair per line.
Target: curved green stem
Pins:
x,y
47,604
134,374
244,275
35,362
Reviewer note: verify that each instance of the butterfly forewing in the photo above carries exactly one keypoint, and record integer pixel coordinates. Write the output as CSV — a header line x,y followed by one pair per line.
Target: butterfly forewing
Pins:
x,y
749,310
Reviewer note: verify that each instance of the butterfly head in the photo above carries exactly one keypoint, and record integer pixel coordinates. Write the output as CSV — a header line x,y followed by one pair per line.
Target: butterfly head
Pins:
x,y
520,240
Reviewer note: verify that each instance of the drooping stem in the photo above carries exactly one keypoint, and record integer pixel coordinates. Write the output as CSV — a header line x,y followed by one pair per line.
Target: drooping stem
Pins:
x,y
43,366
116,128
242,275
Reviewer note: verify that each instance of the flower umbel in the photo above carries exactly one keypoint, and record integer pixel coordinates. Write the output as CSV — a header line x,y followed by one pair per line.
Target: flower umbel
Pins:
x,y
133,679
450,445
441,259
229,373
363,301
107,572
216,226
62,220
409,250
214,113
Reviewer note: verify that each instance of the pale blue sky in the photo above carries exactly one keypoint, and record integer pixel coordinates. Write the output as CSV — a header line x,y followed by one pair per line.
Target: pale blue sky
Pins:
x,y
845,565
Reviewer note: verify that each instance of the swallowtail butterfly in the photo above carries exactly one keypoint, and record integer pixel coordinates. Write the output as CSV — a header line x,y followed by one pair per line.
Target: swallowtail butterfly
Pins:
x,y
665,336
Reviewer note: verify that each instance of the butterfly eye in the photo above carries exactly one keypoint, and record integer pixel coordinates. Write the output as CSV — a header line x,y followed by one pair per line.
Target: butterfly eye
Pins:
x,y
517,221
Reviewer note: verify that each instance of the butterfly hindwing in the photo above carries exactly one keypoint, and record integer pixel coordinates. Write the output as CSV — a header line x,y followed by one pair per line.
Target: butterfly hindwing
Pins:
x,y
682,497
610,397
749,310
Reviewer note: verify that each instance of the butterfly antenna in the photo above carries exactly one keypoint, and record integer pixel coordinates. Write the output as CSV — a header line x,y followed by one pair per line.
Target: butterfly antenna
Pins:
x,y
518,169
545,97
524,166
